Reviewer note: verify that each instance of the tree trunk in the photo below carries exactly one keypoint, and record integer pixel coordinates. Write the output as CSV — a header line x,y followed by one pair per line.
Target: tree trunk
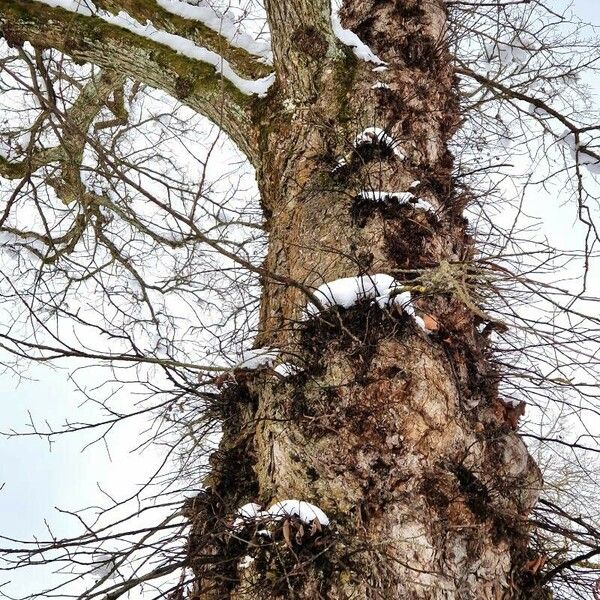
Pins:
x,y
396,434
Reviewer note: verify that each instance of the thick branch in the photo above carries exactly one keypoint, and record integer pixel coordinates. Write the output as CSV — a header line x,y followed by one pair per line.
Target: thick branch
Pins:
x,y
74,126
148,10
90,39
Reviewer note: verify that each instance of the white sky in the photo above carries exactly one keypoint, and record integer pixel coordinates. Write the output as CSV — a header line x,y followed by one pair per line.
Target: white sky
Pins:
x,y
38,478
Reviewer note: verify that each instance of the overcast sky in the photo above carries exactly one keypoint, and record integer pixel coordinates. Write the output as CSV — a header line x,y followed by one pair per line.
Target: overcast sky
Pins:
x,y
38,477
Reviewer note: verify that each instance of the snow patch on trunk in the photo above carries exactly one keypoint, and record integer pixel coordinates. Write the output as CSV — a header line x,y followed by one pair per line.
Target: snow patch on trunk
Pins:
x,y
378,137
304,511
382,289
287,369
349,38
348,291
255,359
400,197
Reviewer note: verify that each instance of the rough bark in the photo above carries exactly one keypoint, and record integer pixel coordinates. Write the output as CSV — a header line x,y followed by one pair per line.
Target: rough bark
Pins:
x,y
398,436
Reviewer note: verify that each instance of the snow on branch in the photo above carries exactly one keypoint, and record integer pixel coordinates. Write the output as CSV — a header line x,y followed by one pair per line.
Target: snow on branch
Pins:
x,y
579,152
177,43
220,23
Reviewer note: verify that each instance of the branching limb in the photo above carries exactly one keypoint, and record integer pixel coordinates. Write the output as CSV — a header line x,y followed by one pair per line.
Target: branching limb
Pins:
x,y
91,39
512,93
72,131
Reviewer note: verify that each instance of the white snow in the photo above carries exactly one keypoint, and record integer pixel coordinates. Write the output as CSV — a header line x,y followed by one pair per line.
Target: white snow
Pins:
x,y
255,359
419,321
105,565
248,512
578,152
264,532
340,164
306,512
380,68
348,291
400,197
519,50
287,369
380,288
77,6
252,512
379,85
403,302
376,135
349,38
222,24
180,44
246,561
414,184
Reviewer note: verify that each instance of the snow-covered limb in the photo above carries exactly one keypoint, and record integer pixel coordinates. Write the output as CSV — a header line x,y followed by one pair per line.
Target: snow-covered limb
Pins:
x,y
222,24
186,47
579,153
180,44
377,136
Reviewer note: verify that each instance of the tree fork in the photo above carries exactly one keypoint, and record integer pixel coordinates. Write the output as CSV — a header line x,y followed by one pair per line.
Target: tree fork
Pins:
x,y
396,435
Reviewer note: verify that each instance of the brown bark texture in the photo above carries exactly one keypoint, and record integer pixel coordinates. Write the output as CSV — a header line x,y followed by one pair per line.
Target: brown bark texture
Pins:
x,y
397,434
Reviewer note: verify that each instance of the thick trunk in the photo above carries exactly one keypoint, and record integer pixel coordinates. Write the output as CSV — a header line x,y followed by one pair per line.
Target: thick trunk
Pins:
x,y
395,434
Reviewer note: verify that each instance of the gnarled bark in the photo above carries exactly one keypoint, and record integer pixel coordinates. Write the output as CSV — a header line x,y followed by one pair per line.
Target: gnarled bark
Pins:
x,y
397,435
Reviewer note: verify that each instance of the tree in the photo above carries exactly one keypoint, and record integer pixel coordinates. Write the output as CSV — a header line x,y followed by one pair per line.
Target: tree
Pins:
x,y
367,447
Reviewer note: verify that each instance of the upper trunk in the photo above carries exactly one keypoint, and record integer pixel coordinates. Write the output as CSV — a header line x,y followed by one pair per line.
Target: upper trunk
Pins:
x,y
398,436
